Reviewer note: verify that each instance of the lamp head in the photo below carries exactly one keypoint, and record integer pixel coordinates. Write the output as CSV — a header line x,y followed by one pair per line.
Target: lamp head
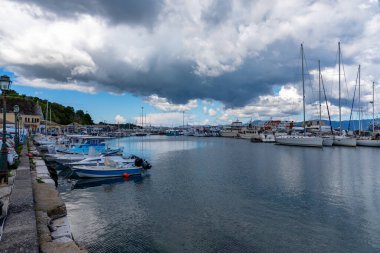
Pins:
x,y
5,83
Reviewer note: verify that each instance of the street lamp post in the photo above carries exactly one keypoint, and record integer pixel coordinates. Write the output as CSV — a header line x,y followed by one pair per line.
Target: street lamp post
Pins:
x,y
5,83
19,120
16,109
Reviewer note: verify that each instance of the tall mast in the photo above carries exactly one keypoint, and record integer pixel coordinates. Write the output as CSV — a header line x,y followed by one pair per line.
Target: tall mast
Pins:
x,y
360,109
373,107
319,93
142,117
340,110
303,92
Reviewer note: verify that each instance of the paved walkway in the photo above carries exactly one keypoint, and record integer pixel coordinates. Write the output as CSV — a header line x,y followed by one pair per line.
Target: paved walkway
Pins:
x,y
20,232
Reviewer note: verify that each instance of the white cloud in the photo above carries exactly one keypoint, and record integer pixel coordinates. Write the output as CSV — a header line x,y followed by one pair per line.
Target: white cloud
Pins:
x,y
212,112
119,119
166,119
164,105
286,105
43,48
52,84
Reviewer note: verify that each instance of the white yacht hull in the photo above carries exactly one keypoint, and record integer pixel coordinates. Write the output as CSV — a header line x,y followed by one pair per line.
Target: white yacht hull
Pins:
x,y
267,138
344,141
249,136
328,141
304,141
368,143
229,133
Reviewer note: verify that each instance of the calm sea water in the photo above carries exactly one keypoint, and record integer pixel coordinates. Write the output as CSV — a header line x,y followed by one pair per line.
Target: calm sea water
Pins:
x,y
229,195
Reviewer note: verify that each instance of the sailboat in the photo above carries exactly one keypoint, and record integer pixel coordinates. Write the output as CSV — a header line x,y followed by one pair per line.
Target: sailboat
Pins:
x,y
373,141
342,140
301,140
327,140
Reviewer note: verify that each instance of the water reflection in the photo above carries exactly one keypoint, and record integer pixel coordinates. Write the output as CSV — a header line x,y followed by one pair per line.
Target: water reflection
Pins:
x,y
226,195
153,146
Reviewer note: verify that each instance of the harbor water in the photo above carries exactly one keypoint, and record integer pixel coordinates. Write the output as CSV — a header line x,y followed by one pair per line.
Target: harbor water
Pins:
x,y
230,195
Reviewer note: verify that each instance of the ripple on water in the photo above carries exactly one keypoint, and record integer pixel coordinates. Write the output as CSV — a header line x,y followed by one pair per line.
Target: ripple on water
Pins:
x,y
226,195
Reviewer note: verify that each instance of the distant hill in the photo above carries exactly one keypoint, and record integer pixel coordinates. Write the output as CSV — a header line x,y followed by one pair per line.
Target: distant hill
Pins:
x,y
60,114
354,125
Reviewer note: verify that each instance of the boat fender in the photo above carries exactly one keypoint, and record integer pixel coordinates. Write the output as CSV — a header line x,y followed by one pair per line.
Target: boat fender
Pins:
x,y
126,175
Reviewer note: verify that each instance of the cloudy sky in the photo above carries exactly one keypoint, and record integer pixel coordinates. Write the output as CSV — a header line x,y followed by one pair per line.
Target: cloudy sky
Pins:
x,y
216,60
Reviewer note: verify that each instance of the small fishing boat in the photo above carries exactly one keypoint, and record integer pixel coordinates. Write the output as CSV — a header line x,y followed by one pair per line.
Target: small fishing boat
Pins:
x,y
107,171
111,168
99,160
64,158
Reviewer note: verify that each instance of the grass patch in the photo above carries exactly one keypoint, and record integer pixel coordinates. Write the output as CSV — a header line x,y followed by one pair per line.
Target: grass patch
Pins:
x,y
15,165
19,149
39,180
32,164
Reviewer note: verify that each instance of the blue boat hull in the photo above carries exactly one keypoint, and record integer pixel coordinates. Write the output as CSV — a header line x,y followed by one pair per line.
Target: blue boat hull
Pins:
x,y
86,173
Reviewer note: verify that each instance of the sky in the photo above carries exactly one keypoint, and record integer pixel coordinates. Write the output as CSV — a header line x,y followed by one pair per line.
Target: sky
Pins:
x,y
204,61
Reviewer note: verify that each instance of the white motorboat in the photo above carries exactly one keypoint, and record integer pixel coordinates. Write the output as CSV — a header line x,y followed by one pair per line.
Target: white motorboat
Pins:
x,y
249,134
267,137
111,168
233,130
66,158
99,160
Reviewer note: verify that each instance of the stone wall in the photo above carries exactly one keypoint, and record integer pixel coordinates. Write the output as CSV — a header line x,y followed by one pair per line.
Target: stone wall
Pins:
x,y
53,227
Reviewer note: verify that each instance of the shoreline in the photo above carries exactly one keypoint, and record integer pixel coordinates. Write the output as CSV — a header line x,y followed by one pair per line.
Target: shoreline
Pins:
x,y
36,218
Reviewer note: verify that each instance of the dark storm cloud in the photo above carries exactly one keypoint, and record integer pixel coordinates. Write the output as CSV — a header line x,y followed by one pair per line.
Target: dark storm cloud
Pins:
x,y
175,80
137,12
194,51
59,73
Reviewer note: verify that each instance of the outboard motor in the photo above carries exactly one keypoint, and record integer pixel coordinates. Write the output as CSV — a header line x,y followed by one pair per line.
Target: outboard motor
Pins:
x,y
146,165
139,162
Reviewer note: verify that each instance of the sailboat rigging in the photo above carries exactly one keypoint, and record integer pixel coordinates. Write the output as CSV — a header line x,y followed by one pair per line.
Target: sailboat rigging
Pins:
x,y
301,140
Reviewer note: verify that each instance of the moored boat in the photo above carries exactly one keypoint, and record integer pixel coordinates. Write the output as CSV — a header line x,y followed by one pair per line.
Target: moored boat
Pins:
x,y
301,140
374,140
111,168
107,171
342,139
232,130
100,160
368,142
327,141
294,140
346,141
